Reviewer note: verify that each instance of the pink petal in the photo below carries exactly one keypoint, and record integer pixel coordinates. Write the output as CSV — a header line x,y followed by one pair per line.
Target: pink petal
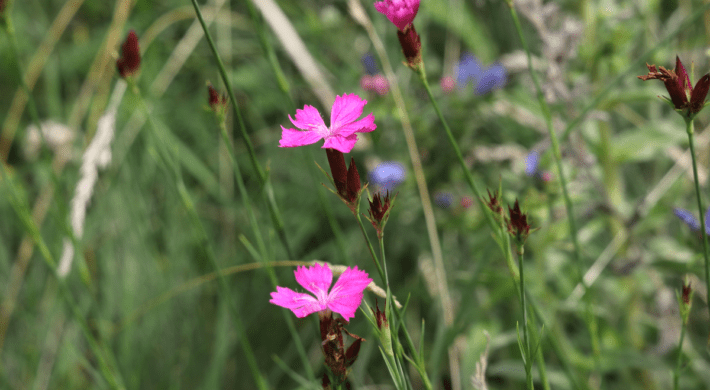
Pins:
x,y
400,12
299,303
309,119
364,125
343,144
316,279
291,137
346,295
346,109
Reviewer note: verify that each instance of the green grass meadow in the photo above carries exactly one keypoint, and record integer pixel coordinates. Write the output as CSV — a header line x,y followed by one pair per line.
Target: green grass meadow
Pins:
x,y
142,306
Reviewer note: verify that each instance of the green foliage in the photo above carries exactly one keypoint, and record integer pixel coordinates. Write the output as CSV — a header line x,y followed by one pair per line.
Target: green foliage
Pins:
x,y
142,280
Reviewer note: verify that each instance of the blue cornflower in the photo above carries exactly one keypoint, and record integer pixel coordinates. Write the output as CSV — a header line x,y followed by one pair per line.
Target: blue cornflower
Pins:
x,y
443,199
531,163
388,175
689,219
368,61
484,80
532,167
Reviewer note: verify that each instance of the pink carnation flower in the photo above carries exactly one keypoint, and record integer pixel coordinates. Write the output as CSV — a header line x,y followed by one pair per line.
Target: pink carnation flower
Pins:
x,y
399,12
341,135
344,298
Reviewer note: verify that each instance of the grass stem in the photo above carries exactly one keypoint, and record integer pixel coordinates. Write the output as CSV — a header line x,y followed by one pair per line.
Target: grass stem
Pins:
x,y
689,128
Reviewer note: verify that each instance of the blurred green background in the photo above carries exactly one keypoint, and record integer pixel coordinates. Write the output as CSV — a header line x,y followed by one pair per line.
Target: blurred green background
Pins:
x,y
624,162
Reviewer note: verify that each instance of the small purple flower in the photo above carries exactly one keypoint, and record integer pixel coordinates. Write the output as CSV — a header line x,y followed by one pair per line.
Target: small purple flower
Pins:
x,y
689,219
443,199
492,78
368,61
388,175
532,161
484,80
469,68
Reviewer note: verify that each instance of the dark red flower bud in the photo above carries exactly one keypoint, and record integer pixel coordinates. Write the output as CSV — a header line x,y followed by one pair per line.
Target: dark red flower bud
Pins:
x,y
684,97
130,58
217,101
379,205
411,46
339,170
380,316
518,223
686,293
493,203
353,183
2,5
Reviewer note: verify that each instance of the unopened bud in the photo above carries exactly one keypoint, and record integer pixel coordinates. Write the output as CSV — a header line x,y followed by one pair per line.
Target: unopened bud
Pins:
x,y
384,327
685,302
380,208
130,59
411,46
518,226
339,170
353,182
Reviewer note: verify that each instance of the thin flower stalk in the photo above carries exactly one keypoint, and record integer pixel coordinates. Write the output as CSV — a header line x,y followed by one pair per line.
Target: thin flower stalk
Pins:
x,y
263,180
685,299
263,253
590,319
225,291
690,130
401,13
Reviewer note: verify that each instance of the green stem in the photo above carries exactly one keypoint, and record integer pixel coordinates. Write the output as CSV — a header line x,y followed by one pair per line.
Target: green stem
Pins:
x,y
589,317
450,136
676,373
263,181
246,201
383,277
528,358
690,130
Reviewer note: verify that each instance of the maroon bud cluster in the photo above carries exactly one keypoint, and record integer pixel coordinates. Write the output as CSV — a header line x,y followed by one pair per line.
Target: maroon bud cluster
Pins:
x,y
337,358
493,203
347,180
216,100
380,316
380,208
130,59
518,223
686,99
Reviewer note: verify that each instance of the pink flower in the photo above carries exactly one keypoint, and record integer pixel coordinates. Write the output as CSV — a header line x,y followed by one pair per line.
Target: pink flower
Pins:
x,y
344,298
399,12
341,135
